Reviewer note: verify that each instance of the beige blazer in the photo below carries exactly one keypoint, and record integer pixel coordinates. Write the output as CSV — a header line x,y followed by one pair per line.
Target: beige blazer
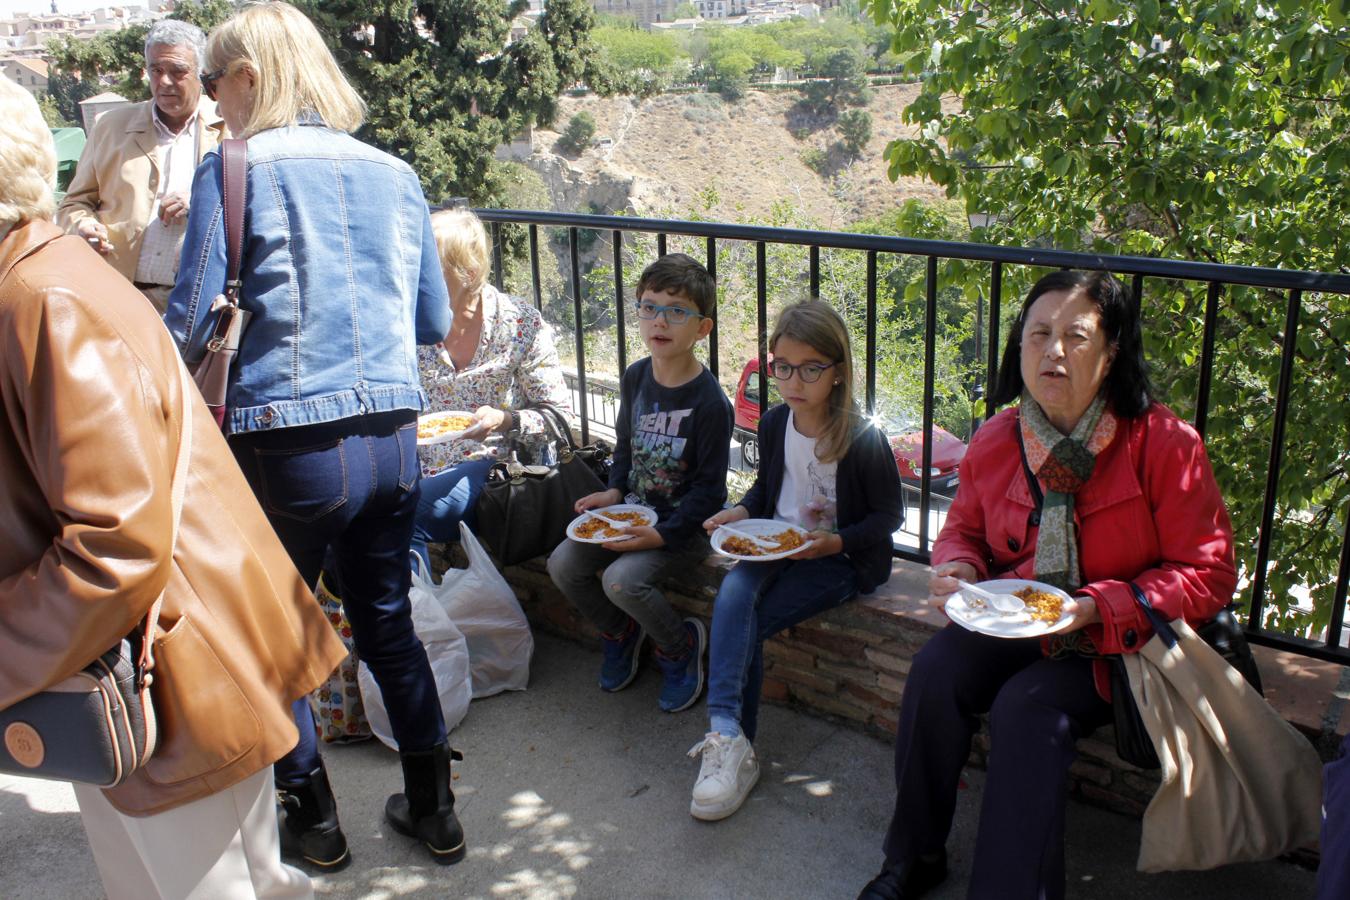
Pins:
x,y
118,175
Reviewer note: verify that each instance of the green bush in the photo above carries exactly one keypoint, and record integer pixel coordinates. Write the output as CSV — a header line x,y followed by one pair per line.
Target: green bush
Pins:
x,y
578,133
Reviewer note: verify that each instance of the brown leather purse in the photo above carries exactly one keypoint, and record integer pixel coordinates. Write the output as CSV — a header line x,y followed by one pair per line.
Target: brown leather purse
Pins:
x,y
212,371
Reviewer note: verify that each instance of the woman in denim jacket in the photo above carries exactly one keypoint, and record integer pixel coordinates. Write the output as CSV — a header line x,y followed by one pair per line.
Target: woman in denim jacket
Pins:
x,y
341,276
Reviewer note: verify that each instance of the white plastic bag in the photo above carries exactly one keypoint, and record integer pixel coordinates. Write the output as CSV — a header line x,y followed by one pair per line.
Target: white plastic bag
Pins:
x,y
447,652
485,609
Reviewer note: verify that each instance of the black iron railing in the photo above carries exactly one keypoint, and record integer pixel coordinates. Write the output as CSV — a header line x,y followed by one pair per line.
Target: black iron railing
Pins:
x,y
1292,282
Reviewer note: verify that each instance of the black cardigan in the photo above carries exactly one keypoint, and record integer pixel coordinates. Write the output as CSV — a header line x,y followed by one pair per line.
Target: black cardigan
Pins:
x,y
869,503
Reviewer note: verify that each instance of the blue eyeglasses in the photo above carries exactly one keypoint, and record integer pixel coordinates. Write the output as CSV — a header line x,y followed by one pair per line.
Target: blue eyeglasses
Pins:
x,y
675,315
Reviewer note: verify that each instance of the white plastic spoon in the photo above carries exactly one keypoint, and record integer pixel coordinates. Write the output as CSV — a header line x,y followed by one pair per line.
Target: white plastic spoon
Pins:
x,y
1004,603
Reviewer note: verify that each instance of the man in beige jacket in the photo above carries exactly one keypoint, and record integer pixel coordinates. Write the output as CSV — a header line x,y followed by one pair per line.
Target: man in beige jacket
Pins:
x,y
130,194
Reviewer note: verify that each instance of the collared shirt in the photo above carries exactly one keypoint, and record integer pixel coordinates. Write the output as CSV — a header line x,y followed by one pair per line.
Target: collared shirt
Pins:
x,y
176,154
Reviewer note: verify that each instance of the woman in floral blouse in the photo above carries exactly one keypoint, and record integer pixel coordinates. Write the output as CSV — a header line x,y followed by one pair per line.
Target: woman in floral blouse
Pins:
x,y
498,360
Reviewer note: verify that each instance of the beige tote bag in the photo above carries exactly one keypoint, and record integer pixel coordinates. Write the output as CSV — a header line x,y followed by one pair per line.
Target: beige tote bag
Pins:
x,y
1239,783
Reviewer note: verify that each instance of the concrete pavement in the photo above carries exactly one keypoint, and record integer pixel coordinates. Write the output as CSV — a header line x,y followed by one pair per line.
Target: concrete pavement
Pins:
x,y
569,792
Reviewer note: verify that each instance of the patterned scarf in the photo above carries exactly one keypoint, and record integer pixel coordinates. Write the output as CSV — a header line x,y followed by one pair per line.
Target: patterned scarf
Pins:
x,y
1062,465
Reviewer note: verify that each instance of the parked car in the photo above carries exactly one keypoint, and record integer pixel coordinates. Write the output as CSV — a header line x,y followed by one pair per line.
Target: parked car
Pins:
x,y
905,434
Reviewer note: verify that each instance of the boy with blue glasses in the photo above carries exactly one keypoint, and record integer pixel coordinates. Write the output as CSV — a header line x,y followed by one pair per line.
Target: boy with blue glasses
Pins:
x,y
671,453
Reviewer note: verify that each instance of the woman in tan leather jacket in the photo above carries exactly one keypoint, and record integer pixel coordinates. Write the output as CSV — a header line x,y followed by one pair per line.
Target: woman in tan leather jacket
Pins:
x,y
91,421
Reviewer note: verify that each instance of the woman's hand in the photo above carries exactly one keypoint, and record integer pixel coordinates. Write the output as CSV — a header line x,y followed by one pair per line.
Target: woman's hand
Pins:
x,y
645,537
822,543
942,581
735,514
486,419
597,500
1084,612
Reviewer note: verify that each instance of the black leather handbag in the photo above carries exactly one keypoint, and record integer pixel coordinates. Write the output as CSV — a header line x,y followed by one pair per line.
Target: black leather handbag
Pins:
x,y
1223,633
524,510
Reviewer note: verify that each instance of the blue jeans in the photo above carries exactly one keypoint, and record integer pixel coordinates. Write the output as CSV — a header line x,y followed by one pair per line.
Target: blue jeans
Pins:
x,y
352,484
756,601
448,498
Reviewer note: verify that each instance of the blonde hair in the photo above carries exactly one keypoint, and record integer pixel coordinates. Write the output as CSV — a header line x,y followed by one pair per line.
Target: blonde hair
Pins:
x,y
293,70
816,324
462,245
27,159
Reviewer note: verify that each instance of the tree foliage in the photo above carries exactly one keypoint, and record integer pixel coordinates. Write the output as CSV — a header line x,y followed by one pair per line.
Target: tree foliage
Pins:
x,y
444,87
855,130
578,133
1210,130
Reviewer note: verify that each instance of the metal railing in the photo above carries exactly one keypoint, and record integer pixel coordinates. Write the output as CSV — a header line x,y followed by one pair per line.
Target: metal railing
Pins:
x,y
1293,283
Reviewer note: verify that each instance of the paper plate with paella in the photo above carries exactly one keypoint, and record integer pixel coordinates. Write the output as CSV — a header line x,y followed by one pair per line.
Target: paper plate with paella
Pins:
x,y
1044,612
591,529
777,539
439,427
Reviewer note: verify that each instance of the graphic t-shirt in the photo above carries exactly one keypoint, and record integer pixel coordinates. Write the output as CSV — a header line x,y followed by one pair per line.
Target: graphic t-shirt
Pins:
x,y
672,448
807,497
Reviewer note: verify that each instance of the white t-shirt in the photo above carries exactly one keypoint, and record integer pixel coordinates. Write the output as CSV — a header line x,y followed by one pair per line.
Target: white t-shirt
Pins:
x,y
807,497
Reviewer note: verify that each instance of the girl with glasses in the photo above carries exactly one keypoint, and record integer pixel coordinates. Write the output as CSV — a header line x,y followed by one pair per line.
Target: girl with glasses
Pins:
x,y
828,471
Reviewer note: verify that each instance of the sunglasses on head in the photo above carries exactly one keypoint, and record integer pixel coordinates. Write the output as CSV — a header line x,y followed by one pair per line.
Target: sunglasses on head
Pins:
x,y
209,79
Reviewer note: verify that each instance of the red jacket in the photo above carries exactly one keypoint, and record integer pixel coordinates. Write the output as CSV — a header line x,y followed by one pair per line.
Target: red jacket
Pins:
x,y
1151,514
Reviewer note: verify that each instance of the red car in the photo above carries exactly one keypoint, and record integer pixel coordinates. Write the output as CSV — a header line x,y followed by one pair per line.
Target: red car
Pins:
x,y
904,433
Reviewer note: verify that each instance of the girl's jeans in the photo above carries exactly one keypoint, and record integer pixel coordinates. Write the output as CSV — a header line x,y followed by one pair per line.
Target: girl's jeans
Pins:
x,y
448,498
352,484
756,601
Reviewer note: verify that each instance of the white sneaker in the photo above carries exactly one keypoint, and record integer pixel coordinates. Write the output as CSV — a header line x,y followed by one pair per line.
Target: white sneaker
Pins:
x,y
728,772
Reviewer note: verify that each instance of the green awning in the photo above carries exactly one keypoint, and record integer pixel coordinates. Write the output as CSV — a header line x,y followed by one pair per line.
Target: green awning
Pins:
x,y
69,144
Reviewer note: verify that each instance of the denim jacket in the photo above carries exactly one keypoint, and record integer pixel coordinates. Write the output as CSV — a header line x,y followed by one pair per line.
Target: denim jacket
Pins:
x,y
339,271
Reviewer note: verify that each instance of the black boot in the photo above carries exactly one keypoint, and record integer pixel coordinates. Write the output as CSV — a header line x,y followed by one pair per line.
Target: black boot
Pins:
x,y
308,823
426,808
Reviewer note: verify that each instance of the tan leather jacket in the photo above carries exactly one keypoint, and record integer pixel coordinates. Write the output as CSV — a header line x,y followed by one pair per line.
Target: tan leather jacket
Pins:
x,y
118,174
89,430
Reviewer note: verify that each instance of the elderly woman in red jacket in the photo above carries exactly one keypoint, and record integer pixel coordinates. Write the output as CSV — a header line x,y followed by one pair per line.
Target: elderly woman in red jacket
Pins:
x,y
1126,494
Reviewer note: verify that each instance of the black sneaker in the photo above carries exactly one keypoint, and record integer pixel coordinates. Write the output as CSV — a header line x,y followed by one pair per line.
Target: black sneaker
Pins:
x,y
906,880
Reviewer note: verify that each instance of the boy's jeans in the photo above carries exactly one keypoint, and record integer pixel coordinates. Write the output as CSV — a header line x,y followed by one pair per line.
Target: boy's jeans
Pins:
x,y
756,601
627,587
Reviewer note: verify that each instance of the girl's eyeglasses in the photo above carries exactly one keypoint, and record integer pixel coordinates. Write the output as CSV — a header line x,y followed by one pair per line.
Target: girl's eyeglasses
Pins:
x,y
675,315
209,79
808,372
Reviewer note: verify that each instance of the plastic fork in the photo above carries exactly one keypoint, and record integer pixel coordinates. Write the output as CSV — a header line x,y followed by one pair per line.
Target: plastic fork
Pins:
x,y
753,538
1004,603
612,523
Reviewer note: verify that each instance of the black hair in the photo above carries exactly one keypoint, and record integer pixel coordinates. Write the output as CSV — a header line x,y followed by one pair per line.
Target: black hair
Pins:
x,y
678,273
1126,386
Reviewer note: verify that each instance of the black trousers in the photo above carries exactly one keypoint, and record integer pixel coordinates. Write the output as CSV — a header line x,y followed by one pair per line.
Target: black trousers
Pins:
x,y
1038,709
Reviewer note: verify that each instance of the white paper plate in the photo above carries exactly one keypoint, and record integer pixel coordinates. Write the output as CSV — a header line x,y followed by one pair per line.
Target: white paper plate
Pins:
x,y
766,528
970,612
424,420
648,515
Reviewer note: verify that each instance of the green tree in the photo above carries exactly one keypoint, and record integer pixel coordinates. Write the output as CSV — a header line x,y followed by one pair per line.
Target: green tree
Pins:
x,y
685,11
644,62
1197,129
843,83
576,137
855,128
443,87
